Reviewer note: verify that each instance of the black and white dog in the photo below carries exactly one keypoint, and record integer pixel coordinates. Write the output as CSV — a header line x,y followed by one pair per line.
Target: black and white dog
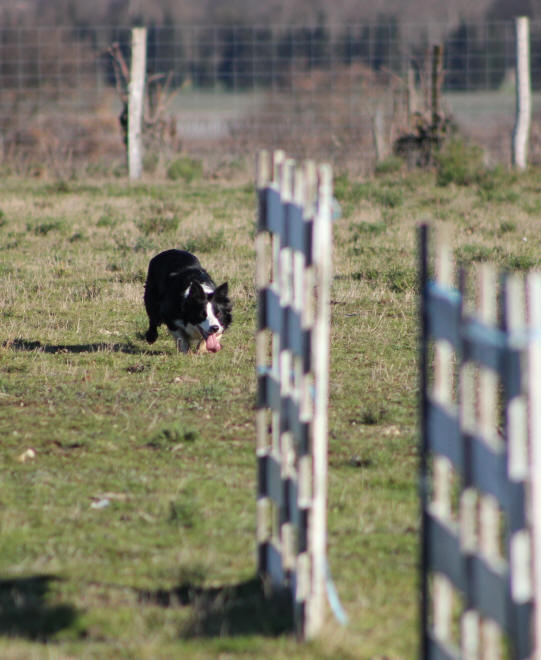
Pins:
x,y
181,294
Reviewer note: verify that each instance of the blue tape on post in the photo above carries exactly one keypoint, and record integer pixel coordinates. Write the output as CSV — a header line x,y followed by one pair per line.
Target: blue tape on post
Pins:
x,y
334,600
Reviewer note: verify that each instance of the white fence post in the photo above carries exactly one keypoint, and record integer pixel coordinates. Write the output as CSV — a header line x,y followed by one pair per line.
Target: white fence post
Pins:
x,y
136,96
318,533
523,93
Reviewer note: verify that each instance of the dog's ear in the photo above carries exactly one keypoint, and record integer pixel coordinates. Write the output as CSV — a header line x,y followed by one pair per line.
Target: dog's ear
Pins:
x,y
196,292
222,291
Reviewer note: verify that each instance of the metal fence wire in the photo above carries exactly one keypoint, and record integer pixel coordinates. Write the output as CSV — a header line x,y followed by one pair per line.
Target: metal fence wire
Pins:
x,y
317,88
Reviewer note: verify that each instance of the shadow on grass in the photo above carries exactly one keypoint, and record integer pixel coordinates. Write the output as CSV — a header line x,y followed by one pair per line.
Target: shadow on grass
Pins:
x,y
24,611
27,345
241,609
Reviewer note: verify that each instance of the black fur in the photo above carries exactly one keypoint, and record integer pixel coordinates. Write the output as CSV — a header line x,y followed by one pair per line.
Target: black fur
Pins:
x,y
170,275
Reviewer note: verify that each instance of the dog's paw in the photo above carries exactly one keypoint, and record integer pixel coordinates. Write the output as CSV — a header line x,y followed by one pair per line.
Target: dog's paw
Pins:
x,y
151,335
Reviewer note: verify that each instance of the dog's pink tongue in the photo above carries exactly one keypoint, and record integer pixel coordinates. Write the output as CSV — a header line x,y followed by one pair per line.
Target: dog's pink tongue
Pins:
x,y
213,344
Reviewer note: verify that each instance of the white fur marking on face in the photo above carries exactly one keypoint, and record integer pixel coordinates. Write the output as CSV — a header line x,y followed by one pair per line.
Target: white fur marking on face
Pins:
x,y
210,320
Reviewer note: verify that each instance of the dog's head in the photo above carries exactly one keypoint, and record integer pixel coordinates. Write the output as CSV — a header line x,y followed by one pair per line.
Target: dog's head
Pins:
x,y
208,312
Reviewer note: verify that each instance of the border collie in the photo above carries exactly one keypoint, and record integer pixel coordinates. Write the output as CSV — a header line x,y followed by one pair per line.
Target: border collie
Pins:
x,y
181,294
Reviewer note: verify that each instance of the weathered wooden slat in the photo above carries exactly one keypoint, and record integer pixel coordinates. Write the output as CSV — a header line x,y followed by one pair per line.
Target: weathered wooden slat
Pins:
x,y
270,479
444,554
485,345
303,529
291,497
485,468
268,392
271,216
444,433
520,627
520,561
444,308
516,506
490,519
270,310
274,565
283,491
297,339
287,323
291,422
298,231
487,588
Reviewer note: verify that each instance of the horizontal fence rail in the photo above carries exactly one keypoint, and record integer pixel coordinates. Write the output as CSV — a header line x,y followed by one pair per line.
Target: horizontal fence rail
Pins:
x,y
293,247
62,87
479,579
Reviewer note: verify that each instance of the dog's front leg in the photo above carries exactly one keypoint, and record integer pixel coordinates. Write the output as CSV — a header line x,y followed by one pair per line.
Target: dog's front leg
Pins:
x,y
183,345
181,341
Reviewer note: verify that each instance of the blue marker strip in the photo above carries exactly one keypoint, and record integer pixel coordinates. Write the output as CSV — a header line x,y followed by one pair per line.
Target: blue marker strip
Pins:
x,y
334,600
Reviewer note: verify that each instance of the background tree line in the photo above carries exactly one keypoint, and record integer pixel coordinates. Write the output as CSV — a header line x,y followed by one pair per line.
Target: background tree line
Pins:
x,y
238,53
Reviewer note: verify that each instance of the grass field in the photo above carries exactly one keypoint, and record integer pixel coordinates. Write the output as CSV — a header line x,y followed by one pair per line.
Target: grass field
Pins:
x,y
131,531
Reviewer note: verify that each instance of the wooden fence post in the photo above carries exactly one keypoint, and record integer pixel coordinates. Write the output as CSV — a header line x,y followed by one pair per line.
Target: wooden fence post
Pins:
x,y
378,128
318,532
435,83
489,524
523,93
136,95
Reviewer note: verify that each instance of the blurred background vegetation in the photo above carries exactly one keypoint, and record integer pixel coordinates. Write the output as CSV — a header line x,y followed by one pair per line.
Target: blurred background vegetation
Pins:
x,y
225,79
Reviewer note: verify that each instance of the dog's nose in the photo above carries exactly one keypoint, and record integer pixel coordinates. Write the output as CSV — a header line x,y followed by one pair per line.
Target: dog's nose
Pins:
x,y
214,328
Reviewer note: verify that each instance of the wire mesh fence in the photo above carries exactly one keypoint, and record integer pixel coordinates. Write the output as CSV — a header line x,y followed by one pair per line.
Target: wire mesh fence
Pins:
x,y
216,89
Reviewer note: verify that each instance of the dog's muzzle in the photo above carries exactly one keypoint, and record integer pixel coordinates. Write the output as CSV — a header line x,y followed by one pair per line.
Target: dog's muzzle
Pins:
x,y
212,338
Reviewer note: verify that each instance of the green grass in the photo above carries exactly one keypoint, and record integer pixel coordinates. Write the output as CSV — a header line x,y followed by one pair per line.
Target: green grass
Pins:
x,y
131,533
184,168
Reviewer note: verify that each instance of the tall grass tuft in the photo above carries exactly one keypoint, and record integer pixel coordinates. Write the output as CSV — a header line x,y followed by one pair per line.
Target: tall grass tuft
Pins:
x,y
459,162
185,168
